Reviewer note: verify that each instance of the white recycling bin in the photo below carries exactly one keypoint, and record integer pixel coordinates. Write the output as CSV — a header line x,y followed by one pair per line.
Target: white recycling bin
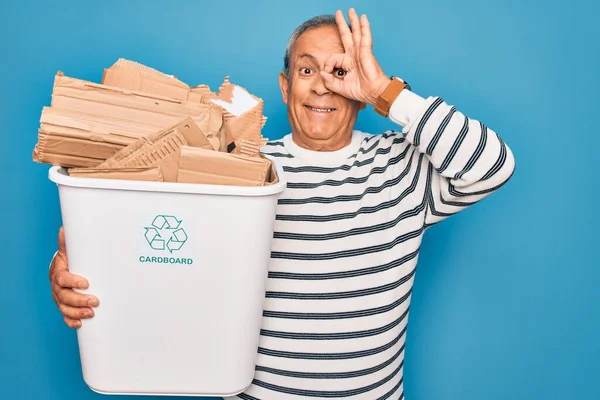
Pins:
x,y
180,271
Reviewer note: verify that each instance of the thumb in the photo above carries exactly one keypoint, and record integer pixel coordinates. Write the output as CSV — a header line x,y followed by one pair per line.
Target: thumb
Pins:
x,y
62,246
331,83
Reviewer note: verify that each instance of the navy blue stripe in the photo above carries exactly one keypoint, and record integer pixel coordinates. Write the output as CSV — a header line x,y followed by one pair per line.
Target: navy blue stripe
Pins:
x,y
344,274
429,192
275,143
280,155
351,180
341,295
355,197
335,336
456,193
455,146
346,167
332,394
333,356
362,210
334,375
394,390
423,121
499,162
245,396
475,156
352,232
348,253
441,128
339,315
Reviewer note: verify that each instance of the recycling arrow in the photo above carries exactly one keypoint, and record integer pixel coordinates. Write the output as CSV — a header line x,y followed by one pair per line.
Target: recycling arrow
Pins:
x,y
166,221
154,239
177,239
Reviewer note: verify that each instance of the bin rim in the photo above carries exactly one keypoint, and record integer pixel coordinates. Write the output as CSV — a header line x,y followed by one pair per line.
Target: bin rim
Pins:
x,y
58,175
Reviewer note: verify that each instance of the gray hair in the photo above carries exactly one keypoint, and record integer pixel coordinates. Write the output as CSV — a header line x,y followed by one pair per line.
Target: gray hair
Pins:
x,y
314,22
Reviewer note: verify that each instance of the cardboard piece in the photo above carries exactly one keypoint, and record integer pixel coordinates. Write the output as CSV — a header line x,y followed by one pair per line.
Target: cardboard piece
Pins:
x,y
77,95
131,75
242,114
251,148
67,133
67,161
161,148
152,174
57,120
213,167
66,145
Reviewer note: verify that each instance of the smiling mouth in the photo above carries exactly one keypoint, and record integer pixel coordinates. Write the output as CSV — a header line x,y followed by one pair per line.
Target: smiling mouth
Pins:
x,y
320,110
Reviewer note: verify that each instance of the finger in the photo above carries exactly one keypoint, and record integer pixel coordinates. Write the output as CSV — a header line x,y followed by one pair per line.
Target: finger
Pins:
x,y
335,61
62,246
331,83
74,299
65,279
355,24
345,33
75,312
72,323
366,42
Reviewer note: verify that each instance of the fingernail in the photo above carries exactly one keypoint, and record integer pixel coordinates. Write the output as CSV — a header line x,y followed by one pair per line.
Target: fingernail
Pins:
x,y
82,285
93,302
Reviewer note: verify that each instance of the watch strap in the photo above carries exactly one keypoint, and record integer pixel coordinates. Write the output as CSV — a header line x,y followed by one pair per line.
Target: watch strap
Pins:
x,y
391,92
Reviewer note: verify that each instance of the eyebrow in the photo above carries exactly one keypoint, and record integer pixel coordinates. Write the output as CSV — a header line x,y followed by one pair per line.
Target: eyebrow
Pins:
x,y
303,55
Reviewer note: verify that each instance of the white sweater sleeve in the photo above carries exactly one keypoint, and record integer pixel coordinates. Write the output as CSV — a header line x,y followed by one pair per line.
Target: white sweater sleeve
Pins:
x,y
465,161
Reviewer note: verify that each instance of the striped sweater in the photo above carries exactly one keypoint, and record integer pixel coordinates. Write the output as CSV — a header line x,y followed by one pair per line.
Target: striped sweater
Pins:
x,y
347,236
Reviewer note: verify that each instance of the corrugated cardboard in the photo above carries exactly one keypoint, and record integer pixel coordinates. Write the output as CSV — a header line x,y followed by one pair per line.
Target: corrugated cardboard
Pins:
x,y
251,148
131,75
67,122
161,148
76,134
213,167
93,148
152,174
243,114
65,160
242,111
116,103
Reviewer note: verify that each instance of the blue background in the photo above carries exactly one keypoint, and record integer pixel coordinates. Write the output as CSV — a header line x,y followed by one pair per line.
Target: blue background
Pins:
x,y
506,302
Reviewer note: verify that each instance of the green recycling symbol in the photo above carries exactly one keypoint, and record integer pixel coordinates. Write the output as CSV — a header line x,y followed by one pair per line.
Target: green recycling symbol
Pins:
x,y
165,233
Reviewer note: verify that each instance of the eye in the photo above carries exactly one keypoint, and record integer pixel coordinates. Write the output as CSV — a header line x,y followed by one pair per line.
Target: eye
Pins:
x,y
305,71
340,73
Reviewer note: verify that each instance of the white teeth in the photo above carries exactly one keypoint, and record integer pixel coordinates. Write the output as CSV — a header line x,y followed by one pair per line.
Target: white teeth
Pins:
x,y
322,110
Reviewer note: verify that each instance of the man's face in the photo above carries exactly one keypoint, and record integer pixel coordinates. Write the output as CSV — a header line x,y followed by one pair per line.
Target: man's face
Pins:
x,y
320,119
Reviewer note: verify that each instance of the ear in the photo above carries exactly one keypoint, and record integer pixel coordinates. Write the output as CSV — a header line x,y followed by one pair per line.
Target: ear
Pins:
x,y
284,87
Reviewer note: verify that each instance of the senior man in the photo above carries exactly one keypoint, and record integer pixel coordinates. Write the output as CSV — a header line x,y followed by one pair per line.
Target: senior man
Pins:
x,y
350,223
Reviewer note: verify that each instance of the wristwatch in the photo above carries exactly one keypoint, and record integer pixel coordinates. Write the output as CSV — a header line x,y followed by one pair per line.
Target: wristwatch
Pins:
x,y
391,92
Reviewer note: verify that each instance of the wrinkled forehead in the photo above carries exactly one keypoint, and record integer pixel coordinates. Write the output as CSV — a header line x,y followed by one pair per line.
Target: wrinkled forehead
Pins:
x,y
318,42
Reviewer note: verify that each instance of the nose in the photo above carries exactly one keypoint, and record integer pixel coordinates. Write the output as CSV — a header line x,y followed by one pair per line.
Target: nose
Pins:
x,y
318,86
